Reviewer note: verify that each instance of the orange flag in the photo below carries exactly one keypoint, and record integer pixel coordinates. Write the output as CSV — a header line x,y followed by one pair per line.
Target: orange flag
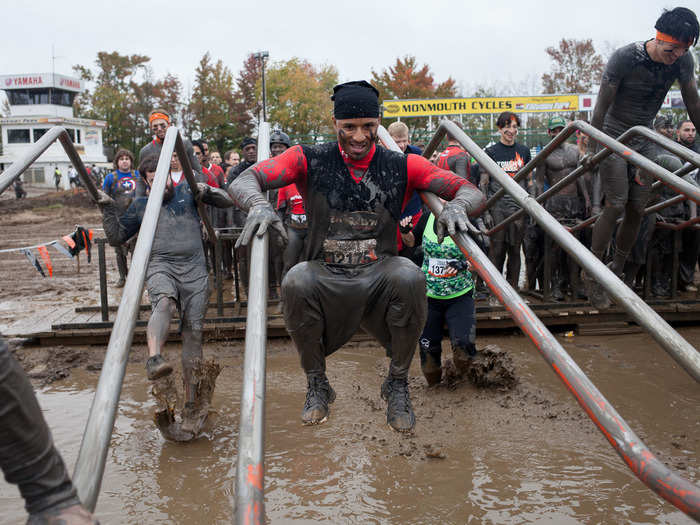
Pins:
x,y
47,259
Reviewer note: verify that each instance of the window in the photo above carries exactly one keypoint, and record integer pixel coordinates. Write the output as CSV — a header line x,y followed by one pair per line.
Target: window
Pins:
x,y
18,97
38,133
71,134
38,96
62,98
18,136
77,136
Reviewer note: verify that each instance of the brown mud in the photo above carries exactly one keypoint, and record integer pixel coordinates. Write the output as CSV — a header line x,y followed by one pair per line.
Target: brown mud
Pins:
x,y
522,451
170,416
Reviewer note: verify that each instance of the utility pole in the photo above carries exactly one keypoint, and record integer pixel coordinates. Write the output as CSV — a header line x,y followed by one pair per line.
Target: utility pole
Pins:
x,y
262,55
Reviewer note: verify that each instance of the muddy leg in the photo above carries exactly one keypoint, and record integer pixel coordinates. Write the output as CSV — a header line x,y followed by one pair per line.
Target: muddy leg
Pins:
x,y
120,252
28,457
157,335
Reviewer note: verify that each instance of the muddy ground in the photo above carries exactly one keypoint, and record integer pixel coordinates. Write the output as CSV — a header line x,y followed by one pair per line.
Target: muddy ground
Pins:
x,y
523,453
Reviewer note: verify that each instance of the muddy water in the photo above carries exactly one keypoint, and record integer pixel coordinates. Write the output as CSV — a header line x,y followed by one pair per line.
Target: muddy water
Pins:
x,y
524,456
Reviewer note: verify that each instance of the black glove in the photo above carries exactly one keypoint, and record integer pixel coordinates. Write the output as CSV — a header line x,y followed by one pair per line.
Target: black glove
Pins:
x,y
406,228
458,264
259,218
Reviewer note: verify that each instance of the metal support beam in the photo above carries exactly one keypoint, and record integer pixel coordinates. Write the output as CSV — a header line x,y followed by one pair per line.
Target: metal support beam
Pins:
x,y
56,133
678,348
104,306
649,469
90,465
250,469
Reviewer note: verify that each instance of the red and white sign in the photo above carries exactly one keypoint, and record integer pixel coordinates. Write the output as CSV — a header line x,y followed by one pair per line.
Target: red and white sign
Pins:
x,y
40,80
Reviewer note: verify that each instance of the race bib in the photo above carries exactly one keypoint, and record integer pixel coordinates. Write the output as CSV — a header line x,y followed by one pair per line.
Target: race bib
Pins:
x,y
437,267
350,252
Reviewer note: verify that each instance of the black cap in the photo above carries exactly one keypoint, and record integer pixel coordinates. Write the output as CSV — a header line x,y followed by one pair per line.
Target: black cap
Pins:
x,y
248,141
356,99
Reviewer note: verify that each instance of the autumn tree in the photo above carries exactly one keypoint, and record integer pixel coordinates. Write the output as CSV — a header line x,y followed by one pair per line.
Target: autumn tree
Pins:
x,y
298,96
407,80
248,92
576,67
213,108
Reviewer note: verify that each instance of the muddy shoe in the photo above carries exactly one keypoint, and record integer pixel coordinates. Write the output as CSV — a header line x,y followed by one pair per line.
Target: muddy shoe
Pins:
x,y
462,359
596,293
192,419
399,412
319,395
430,365
73,515
157,367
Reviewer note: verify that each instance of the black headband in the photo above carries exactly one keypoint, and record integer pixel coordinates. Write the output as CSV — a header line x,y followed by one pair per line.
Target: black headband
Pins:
x,y
356,99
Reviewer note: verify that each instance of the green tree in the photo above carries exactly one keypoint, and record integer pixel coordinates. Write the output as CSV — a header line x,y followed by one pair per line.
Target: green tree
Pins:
x,y
213,107
576,67
298,97
123,92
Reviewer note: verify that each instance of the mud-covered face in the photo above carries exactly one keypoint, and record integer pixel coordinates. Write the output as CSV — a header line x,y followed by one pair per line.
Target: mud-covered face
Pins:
x,y
250,153
124,163
356,135
276,148
169,188
158,127
508,132
667,52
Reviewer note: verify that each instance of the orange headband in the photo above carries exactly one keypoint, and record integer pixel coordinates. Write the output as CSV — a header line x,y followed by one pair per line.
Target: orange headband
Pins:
x,y
668,38
155,116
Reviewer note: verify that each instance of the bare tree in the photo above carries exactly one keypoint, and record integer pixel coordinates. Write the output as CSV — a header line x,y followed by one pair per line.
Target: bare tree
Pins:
x,y
575,67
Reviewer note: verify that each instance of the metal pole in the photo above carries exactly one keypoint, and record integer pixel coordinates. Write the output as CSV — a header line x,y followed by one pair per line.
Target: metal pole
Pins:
x,y
677,347
104,305
217,274
250,498
652,472
98,431
58,132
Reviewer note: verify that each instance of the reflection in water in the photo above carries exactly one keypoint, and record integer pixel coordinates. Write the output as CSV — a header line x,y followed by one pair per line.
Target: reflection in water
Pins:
x,y
518,464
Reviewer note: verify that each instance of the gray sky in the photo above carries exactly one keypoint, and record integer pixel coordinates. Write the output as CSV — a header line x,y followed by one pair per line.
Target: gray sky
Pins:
x,y
485,42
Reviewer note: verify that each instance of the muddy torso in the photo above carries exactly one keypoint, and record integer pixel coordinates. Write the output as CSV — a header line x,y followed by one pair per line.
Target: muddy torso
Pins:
x,y
559,164
177,245
642,86
351,222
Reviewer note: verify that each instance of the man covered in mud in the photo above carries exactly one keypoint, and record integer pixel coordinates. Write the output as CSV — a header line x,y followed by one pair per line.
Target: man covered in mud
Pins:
x,y
159,121
28,457
569,205
176,276
353,192
634,85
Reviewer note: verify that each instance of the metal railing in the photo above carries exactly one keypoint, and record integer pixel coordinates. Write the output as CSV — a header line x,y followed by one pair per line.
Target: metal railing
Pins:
x,y
40,146
250,479
649,469
683,352
90,465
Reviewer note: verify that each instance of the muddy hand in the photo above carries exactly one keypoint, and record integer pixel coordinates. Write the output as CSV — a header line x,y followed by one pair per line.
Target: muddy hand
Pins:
x,y
453,219
202,189
103,199
259,218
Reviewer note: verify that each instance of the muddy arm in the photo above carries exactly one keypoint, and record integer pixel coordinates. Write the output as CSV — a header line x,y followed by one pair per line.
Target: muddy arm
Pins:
x,y
216,197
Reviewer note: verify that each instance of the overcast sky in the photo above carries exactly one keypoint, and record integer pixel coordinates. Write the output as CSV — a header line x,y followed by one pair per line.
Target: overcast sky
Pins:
x,y
476,43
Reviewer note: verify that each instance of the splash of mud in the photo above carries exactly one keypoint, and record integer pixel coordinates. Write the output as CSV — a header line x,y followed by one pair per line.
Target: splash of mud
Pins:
x,y
492,368
174,422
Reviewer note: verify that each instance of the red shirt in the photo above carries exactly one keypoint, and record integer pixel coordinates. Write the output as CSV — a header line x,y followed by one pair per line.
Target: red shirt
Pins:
x,y
291,195
290,167
211,181
218,174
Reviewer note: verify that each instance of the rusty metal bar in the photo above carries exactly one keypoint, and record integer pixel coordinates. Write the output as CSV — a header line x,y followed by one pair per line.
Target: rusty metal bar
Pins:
x,y
40,146
250,469
90,465
647,467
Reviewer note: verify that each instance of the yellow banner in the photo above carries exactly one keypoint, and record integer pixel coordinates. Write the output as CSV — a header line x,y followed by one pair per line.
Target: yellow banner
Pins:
x,y
472,106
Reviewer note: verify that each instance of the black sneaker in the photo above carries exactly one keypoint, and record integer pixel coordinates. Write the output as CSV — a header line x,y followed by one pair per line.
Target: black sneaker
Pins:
x,y
157,367
596,293
399,412
319,395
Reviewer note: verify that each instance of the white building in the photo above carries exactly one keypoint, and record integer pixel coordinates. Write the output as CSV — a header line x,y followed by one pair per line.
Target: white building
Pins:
x,y
39,101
